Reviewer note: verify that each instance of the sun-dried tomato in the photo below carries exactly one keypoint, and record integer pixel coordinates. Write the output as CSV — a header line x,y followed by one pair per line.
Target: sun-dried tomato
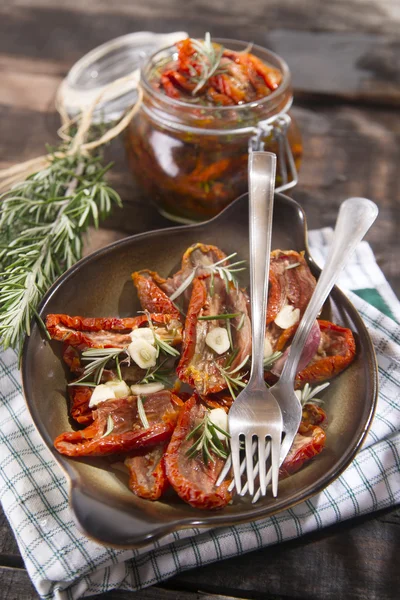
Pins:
x,y
79,403
127,431
306,445
293,285
336,351
151,296
199,365
192,480
148,478
108,332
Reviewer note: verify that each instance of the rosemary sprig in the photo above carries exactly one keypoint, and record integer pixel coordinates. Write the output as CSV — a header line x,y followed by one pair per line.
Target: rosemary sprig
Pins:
x,y
207,441
157,373
308,394
222,316
161,345
226,272
208,57
165,347
42,220
233,378
270,360
97,359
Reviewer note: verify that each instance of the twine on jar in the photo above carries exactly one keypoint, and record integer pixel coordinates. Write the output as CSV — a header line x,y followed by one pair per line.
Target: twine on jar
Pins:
x,y
13,175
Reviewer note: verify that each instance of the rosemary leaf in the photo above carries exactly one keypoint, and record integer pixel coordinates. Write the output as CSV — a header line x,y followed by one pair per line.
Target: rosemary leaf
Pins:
x,y
223,316
142,413
292,266
110,426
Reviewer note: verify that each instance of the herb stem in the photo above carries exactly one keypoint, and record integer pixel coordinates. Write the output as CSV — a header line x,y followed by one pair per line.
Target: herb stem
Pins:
x,y
223,316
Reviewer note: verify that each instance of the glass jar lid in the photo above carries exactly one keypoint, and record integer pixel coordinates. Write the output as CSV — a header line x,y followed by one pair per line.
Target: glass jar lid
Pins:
x,y
112,61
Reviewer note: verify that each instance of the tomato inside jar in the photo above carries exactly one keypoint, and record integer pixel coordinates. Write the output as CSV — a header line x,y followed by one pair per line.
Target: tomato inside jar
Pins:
x,y
203,104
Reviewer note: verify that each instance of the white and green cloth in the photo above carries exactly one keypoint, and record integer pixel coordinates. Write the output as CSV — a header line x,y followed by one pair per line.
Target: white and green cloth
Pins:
x,y
63,563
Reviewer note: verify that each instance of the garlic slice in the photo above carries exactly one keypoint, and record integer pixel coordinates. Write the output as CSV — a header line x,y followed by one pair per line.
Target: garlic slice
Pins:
x,y
101,393
147,388
120,388
144,333
143,353
287,316
219,417
267,348
218,340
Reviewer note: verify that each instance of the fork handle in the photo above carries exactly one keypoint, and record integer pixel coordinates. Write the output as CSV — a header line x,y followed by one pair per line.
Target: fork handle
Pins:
x,y
262,168
356,216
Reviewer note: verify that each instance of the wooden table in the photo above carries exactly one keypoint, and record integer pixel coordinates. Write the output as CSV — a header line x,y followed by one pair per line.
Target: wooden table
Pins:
x,y
345,61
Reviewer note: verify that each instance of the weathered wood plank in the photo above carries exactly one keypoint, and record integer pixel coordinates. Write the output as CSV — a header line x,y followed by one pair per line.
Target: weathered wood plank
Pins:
x,y
354,15
16,585
8,545
351,64
350,561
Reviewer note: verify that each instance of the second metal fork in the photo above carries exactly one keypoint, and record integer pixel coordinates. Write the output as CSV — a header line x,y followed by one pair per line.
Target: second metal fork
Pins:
x,y
255,413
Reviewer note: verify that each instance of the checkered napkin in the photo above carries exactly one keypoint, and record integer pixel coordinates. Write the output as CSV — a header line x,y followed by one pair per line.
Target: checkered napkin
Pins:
x,y
63,563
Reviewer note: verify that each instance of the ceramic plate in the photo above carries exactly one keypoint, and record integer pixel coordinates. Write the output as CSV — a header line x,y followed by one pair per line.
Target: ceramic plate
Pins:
x,y
100,285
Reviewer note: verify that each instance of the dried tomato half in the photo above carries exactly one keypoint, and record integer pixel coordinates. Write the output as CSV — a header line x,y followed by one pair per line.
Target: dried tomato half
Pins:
x,y
151,296
196,258
305,446
79,403
290,282
309,441
148,478
117,426
193,480
109,332
336,351
199,365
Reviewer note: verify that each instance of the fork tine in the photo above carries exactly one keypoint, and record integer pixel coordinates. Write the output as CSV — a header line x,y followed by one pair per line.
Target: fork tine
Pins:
x,y
249,464
225,471
242,469
235,452
245,488
261,462
275,447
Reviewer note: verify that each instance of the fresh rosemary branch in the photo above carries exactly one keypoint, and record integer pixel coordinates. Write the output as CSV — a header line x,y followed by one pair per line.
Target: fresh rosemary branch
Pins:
x,y
270,360
159,343
42,220
158,374
227,273
208,57
97,359
221,316
308,394
233,378
208,440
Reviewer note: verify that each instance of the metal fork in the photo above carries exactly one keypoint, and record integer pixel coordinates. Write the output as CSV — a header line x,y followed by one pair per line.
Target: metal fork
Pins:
x,y
355,217
255,412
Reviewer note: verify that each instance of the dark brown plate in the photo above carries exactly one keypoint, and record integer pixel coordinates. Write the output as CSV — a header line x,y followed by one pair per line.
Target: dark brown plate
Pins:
x,y
100,285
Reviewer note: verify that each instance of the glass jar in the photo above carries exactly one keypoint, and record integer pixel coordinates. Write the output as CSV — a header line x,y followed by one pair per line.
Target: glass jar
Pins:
x,y
191,159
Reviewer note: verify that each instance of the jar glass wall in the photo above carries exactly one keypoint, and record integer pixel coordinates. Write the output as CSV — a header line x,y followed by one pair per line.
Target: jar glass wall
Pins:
x,y
191,160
